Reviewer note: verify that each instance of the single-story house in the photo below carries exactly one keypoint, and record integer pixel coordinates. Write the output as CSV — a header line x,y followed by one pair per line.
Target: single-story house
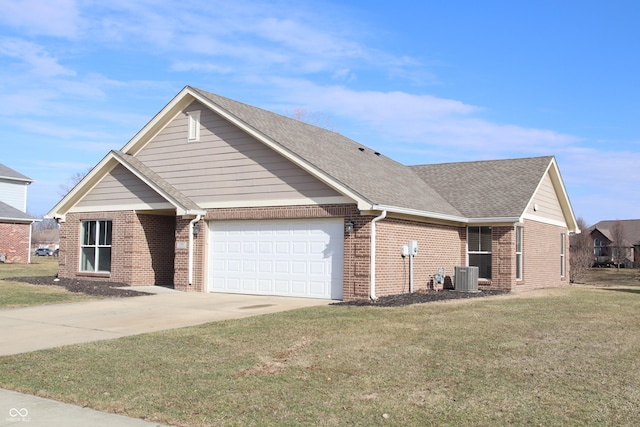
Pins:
x,y
214,195
15,223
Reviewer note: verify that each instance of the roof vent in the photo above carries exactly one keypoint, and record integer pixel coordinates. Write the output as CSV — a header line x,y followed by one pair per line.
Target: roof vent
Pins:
x,y
360,148
376,153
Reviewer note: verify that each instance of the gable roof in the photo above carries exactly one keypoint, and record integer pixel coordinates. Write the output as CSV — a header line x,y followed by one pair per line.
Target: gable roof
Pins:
x,y
373,177
631,230
8,173
11,214
455,192
182,204
487,189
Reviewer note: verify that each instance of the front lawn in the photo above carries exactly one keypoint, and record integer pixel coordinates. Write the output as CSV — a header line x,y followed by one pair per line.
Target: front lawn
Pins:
x,y
17,294
553,357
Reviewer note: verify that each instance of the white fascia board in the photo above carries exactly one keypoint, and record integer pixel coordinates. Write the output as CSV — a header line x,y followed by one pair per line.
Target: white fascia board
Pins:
x,y
445,217
549,221
284,152
276,202
107,164
415,212
20,220
563,197
27,181
159,121
180,209
84,186
565,202
130,207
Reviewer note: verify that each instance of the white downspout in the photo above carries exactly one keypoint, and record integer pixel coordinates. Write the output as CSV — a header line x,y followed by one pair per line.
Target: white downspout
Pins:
x,y
30,238
372,251
191,223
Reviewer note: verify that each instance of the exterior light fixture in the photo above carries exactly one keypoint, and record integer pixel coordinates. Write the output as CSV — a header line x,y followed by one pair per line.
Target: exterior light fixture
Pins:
x,y
348,227
196,229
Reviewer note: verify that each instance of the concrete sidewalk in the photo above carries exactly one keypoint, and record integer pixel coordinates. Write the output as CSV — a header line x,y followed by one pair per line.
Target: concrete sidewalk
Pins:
x,y
35,328
17,409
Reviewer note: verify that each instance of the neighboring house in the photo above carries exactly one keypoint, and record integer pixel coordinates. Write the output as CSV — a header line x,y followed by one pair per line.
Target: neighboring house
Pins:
x,y
15,224
603,246
214,195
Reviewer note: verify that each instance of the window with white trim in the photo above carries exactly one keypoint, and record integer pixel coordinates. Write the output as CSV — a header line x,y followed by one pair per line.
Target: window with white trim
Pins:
x,y
563,246
519,263
95,246
194,126
479,250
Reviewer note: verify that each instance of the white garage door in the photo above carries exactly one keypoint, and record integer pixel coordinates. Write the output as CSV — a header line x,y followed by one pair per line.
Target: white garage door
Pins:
x,y
302,258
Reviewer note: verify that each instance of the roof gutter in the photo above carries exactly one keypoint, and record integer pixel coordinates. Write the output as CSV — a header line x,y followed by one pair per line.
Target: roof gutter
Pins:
x,y
444,217
372,263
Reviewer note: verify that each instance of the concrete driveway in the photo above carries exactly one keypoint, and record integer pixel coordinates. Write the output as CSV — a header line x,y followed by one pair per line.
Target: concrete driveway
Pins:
x,y
35,328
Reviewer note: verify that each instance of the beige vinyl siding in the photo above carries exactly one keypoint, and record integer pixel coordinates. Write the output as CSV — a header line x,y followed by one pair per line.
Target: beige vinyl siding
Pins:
x,y
226,164
547,202
122,188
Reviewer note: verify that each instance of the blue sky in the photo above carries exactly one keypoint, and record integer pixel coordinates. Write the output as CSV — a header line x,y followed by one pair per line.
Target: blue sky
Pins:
x,y
422,82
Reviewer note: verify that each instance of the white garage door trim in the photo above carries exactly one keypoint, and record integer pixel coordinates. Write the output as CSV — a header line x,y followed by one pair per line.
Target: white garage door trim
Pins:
x,y
300,258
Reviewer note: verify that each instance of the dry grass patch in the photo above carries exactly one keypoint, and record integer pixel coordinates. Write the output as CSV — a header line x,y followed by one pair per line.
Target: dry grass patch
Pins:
x,y
566,359
607,277
18,294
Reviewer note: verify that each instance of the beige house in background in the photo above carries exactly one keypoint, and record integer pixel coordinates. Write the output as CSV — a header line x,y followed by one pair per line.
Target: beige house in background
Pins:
x,y
214,195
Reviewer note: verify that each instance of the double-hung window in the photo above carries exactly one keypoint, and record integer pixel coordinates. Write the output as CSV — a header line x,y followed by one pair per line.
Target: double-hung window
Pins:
x,y
95,246
519,263
479,250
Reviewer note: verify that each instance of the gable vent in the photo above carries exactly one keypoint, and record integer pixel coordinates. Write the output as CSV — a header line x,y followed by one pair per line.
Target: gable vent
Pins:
x,y
194,126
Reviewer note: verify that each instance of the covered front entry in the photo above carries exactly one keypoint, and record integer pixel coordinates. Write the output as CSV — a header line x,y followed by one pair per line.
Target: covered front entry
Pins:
x,y
301,258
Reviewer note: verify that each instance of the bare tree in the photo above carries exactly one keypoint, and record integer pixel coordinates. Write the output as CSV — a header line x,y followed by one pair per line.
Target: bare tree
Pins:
x,y
311,117
71,182
581,252
618,247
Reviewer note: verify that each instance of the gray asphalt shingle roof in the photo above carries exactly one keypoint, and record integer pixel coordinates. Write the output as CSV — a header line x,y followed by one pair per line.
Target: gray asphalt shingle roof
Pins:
x,y
487,189
8,212
375,177
8,173
151,176
631,229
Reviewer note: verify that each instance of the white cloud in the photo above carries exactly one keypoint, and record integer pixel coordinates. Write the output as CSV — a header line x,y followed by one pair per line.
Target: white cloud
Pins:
x,y
405,122
42,17
38,61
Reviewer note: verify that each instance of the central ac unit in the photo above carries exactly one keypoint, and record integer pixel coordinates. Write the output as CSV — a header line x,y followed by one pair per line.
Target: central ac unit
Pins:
x,y
466,279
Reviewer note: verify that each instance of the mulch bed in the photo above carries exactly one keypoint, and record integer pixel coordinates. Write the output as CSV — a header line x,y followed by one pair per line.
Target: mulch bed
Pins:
x,y
110,289
89,287
419,298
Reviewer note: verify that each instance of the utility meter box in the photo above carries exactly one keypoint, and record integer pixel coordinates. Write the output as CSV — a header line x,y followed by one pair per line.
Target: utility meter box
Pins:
x,y
413,247
405,251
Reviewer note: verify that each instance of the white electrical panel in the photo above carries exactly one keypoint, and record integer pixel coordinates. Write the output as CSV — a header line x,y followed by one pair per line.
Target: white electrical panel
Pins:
x,y
405,250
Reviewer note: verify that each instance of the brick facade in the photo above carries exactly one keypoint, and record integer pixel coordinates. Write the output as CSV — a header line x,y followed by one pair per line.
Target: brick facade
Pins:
x,y
439,247
15,242
542,256
141,248
153,249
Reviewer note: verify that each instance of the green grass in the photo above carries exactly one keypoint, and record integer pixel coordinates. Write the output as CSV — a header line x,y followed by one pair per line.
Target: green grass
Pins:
x,y
554,357
18,294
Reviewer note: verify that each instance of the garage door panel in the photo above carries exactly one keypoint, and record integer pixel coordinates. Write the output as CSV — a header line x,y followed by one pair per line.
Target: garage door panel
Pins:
x,y
292,258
